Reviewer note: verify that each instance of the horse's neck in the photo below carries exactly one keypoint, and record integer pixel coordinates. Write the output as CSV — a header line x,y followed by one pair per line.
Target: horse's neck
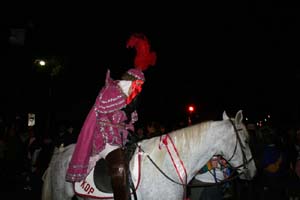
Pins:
x,y
195,150
194,146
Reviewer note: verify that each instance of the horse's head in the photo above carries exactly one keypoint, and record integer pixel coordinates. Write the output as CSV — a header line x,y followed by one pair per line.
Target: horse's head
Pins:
x,y
238,151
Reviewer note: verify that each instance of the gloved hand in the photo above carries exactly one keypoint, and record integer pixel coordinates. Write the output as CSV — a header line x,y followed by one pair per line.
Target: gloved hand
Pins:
x,y
132,137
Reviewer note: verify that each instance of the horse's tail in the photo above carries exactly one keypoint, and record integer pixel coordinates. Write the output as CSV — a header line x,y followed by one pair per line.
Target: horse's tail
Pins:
x,y
55,186
47,177
46,190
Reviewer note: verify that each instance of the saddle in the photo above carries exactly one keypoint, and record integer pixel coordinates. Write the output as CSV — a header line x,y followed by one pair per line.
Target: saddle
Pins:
x,y
98,182
101,176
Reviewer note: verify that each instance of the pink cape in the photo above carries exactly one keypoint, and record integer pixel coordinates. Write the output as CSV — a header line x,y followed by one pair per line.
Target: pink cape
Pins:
x,y
78,167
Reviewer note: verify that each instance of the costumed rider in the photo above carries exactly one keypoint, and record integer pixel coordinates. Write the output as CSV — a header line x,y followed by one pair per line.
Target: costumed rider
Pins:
x,y
105,130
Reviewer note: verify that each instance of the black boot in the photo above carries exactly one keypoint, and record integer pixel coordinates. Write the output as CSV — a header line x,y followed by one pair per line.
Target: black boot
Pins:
x,y
118,168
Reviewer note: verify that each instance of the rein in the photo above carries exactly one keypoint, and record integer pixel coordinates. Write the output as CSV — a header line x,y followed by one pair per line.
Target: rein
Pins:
x,y
233,174
230,178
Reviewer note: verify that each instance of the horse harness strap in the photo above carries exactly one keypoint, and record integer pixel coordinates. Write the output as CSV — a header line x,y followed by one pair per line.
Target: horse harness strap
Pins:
x,y
175,157
164,141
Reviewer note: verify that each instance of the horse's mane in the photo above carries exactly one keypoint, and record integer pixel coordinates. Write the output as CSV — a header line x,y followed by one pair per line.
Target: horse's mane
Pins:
x,y
184,138
190,136
192,131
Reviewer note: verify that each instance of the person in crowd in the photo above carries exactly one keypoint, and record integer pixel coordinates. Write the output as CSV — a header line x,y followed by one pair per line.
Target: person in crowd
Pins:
x,y
33,150
215,171
297,148
163,128
2,146
293,154
273,166
14,154
153,129
140,131
66,136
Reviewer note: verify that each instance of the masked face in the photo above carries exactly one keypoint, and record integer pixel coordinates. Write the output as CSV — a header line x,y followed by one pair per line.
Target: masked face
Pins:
x,y
136,88
131,88
125,87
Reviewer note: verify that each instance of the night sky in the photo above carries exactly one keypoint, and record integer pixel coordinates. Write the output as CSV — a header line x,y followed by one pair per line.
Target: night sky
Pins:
x,y
217,57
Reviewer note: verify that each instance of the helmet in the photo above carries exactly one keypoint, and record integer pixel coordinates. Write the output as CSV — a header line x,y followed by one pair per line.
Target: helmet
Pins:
x,y
136,73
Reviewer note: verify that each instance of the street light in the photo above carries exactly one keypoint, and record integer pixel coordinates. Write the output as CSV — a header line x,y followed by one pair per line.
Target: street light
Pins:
x,y
51,66
42,63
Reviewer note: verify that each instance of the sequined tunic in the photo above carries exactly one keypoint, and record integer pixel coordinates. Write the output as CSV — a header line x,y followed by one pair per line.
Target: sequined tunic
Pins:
x,y
105,123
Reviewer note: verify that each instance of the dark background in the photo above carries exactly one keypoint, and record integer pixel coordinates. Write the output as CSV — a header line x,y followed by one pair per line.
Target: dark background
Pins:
x,y
222,56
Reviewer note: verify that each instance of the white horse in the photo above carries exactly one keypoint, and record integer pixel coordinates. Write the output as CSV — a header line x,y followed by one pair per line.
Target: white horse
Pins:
x,y
162,166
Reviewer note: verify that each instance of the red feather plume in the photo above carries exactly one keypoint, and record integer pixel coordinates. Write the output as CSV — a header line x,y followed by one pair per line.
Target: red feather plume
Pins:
x,y
144,57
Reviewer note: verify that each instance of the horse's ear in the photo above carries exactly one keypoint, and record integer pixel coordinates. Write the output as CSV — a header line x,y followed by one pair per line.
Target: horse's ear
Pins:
x,y
239,117
225,116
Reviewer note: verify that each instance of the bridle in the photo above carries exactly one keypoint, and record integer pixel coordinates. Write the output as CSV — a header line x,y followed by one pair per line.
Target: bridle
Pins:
x,y
233,174
238,141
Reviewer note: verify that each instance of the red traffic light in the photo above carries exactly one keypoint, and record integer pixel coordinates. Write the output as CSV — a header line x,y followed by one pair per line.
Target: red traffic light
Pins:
x,y
191,109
